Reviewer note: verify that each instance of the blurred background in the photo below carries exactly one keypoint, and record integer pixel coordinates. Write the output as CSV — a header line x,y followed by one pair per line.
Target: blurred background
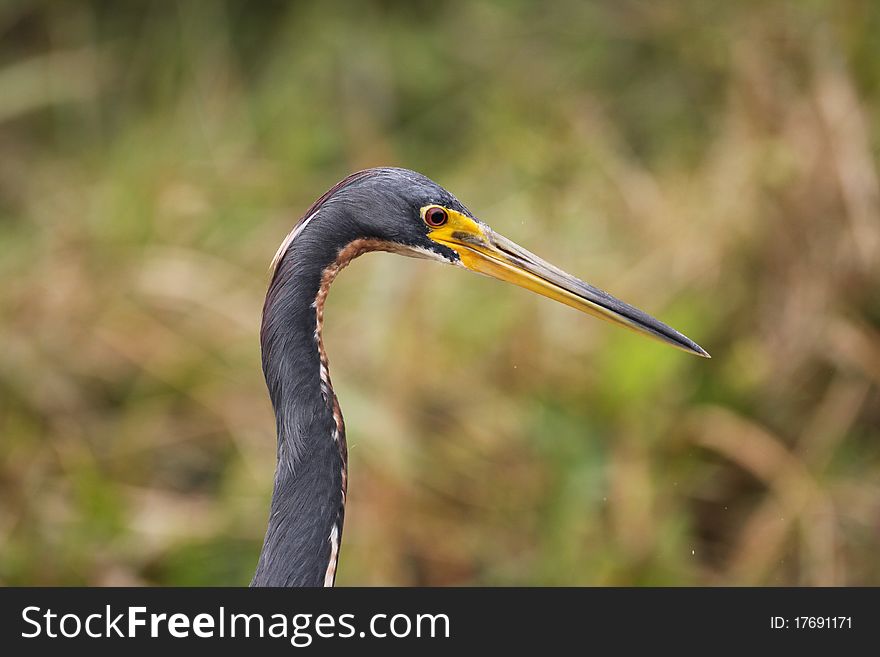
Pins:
x,y
713,163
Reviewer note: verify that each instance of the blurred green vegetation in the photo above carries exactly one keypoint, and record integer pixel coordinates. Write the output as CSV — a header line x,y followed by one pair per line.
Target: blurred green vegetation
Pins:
x,y
714,163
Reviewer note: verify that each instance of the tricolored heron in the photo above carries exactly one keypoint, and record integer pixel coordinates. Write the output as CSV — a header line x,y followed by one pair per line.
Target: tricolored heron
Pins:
x,y
384,209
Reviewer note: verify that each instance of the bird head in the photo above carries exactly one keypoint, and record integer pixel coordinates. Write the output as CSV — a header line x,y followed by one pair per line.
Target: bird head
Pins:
x,y
412,215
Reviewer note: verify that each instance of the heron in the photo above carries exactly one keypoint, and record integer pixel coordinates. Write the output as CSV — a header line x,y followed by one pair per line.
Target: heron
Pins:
x,y
380,209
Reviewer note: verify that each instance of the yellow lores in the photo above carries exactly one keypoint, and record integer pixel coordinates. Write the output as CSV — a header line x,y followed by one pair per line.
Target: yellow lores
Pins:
x,y
486,252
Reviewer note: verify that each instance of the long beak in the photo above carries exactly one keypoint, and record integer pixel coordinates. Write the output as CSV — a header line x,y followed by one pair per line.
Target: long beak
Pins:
x,y
484,251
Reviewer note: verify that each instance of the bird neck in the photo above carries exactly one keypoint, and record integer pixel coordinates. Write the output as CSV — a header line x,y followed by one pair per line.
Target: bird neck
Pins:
x,y
308,501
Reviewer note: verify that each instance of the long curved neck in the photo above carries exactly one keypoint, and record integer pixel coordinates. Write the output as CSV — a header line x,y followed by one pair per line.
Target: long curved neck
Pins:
x,y
305,523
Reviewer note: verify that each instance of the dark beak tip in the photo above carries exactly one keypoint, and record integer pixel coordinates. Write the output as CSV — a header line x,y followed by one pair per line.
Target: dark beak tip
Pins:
x,y
686,344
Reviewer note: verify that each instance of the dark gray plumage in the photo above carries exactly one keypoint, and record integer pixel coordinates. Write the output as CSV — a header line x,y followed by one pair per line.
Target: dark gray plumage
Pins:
x,y
307,501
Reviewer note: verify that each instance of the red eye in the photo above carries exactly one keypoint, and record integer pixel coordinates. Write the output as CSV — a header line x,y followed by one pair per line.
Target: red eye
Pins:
x,y
436,217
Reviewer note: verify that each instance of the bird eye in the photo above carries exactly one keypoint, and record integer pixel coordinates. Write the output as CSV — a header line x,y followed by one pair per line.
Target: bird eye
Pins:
x,y
436,217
